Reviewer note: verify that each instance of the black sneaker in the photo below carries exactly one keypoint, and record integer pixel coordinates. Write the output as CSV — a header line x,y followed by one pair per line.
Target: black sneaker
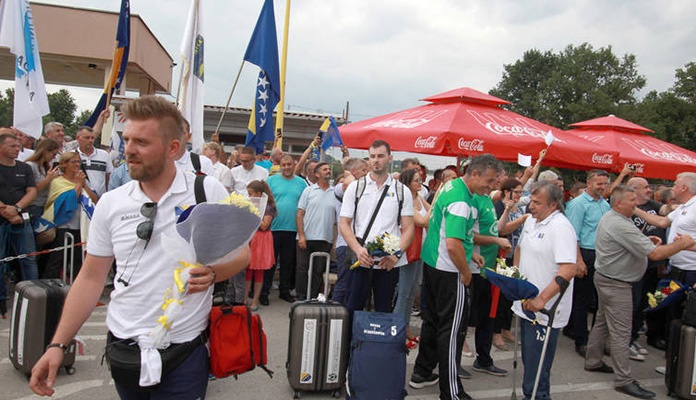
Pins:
x,y
462,373
464,396
419,382
264,300
491,369
287,297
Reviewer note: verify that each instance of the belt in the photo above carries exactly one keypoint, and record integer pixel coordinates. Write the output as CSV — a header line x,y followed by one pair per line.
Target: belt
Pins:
x,y
614,279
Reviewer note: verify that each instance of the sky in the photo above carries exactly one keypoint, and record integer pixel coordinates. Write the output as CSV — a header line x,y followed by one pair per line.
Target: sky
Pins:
x,y
383,56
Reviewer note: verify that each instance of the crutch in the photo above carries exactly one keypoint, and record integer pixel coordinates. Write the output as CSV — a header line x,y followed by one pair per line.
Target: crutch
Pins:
x,y
550,314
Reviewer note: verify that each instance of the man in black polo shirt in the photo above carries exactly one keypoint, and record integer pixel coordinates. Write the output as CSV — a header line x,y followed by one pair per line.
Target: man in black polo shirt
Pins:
x,y
17,191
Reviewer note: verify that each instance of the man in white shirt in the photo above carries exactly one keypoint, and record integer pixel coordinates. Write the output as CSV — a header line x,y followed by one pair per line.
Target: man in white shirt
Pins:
x,y
546,255
356,212
247,171
129,225
95,162
213,151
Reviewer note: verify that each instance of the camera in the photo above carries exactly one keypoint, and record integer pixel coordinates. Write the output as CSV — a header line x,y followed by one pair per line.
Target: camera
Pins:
x,y
632,167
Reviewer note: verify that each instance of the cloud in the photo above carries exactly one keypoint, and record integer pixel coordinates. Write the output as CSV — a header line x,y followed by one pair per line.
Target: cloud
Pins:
x,y
383,56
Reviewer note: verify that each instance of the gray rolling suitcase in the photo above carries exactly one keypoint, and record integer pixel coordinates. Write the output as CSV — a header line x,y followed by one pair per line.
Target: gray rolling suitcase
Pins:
x,y
36,310
318,342
680,361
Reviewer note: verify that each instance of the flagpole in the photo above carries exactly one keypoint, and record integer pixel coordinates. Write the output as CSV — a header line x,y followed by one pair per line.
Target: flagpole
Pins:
x,y
229,98
280,117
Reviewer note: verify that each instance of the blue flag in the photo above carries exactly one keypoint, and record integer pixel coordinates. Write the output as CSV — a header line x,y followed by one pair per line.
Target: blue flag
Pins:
x,y
332,137
119,63
263,52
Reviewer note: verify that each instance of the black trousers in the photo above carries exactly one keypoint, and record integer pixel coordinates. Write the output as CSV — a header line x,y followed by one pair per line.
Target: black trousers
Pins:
x,y
480,290
317,271
284,245
442,332
584,296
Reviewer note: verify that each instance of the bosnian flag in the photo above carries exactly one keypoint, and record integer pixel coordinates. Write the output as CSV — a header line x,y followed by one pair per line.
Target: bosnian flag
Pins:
x,y
332,137
191,90
118,64
263,52
17,32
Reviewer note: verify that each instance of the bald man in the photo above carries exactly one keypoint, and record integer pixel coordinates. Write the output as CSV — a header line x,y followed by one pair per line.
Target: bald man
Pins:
x,y
656,321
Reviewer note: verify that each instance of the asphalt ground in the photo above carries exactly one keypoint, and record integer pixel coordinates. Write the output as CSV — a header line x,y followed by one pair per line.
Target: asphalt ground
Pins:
x,y
93,381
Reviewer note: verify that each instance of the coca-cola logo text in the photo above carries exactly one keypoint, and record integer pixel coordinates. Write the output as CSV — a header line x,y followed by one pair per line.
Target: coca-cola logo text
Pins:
x,y
425,143
607,159
471,145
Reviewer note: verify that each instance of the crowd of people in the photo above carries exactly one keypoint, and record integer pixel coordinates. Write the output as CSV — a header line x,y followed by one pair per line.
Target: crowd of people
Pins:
x,y
580,247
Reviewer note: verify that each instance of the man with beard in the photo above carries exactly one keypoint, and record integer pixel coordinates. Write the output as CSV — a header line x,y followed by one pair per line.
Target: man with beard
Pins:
x,y
129,224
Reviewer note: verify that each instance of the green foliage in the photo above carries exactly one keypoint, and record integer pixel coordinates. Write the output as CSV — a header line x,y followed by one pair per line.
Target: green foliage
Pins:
x,y
6,107
576,84
63,108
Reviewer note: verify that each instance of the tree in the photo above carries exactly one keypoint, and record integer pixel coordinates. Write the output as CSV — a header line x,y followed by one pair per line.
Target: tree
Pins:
x,y
6,107
576,84
63,108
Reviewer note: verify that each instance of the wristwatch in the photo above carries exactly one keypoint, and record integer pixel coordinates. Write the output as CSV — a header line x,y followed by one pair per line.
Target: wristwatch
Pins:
x,y
18,208
59,345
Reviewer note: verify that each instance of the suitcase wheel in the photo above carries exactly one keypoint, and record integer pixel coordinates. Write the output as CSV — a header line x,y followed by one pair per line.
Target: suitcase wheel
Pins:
x,y
336,394
296,395
69,370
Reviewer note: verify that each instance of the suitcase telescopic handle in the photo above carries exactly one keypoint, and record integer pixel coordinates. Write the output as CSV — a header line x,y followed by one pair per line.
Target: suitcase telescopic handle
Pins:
x,y
312,256
68,256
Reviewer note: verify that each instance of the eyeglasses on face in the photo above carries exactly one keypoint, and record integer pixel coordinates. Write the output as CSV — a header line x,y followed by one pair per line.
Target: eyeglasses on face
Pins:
x,y
145,228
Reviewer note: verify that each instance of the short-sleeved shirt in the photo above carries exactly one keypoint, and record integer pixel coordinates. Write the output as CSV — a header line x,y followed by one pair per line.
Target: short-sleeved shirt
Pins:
x,y
320,214
185,164
452,216
486,225
41,197
543,246
621,248
584,213
683,221
286,193
119,177
14,182
241,177
134,309
386,220
651,207
96,166
223,174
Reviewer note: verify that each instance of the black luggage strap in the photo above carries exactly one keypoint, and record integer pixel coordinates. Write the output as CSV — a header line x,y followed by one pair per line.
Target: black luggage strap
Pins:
x,y
374,216
199,189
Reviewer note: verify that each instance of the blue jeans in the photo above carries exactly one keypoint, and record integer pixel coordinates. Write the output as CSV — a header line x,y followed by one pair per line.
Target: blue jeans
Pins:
x,y
21,239
340,289
188,381
533,337
408,281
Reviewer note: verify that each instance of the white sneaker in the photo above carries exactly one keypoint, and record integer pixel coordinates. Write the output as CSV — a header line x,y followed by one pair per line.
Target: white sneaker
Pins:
x,y
634,354
642,350
661,369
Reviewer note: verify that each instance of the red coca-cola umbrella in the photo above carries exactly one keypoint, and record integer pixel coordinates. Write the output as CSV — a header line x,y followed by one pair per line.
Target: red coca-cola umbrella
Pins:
x,y
466,122
652,157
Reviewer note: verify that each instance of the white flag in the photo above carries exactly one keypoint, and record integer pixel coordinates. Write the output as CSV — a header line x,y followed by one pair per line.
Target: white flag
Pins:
x,y
524,161
549,138
191,89
17,32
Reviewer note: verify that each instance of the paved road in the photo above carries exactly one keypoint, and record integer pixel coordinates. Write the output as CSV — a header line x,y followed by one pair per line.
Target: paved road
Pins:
x,y
92,380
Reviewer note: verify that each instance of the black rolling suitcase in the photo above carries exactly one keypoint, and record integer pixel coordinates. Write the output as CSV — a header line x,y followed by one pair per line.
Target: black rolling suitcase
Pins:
x,y
36,311
679,374
318,342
